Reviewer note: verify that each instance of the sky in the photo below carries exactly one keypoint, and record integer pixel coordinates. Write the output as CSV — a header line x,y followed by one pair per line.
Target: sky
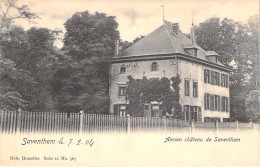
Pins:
x,y
140,17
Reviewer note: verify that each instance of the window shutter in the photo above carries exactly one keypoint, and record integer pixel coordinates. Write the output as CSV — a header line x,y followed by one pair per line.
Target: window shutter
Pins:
x,y
219,104
221,79
188,88
227,106
227,81
127,108
212,77
218,78
205,101
211,102
116,109
199,114
215,104
205,76
222,104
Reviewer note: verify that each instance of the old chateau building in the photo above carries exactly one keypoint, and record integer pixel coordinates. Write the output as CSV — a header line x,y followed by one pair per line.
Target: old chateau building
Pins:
x,y
167,52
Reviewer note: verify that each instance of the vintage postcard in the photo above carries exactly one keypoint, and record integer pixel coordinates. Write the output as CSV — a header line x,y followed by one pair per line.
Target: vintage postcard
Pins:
x,y
129,83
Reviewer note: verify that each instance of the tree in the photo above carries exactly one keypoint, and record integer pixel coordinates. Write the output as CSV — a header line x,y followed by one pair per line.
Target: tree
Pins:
x,y
252,105
29,58
10,11
82,82
9,73
42,59
235,43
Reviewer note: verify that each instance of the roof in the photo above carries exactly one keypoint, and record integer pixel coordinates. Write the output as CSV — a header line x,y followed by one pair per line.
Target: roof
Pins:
x,y
211,53
164,41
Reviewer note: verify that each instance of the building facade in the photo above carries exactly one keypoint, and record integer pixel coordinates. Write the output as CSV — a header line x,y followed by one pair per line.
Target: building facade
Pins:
x,y
167,52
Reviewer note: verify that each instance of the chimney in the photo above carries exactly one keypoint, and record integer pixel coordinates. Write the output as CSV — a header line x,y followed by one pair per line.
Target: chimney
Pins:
x,y
116,47
175,28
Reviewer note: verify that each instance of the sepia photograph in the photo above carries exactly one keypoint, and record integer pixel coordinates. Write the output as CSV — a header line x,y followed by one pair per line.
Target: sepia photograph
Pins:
x,y
129,83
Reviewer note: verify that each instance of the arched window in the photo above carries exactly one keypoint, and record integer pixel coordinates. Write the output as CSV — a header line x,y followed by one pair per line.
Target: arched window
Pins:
x,y
122,69
154,66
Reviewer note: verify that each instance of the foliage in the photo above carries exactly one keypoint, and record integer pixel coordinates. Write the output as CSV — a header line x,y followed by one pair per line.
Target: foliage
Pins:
x,y
28,58
140,91
12,46
236,43
10,12
82,80
252,105
177,107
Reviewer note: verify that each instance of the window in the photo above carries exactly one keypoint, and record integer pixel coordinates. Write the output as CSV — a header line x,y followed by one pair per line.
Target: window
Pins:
x,y
224,80
147,112
226,120
216,102
214,81
195,89
215,78
224,104
146,107
122,110
207,119
207,101
218,79
206,76
154,66
192,112
122,91
122,69
155,110
187,87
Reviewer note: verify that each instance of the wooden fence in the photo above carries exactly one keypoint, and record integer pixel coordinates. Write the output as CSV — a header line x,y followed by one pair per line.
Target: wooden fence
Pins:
x,y
56,122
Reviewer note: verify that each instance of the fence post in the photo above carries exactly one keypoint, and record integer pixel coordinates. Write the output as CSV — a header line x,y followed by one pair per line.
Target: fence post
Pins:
x,y
253,125
128,124
18,127
81,113
164,121
192,125
216,126
237,126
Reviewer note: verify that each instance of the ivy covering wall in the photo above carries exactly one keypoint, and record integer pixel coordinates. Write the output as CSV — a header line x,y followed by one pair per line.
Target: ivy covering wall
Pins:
x,y
164,90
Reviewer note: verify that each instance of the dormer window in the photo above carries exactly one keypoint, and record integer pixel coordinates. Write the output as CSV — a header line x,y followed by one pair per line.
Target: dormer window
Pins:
x,y
192,49
154,66
212,56
122,69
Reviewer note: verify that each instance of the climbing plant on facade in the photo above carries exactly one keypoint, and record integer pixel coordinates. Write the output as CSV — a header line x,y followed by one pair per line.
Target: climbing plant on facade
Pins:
x,y
164,90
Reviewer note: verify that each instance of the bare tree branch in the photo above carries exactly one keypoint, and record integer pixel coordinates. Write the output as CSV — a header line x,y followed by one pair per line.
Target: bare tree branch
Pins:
x,y
2,10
